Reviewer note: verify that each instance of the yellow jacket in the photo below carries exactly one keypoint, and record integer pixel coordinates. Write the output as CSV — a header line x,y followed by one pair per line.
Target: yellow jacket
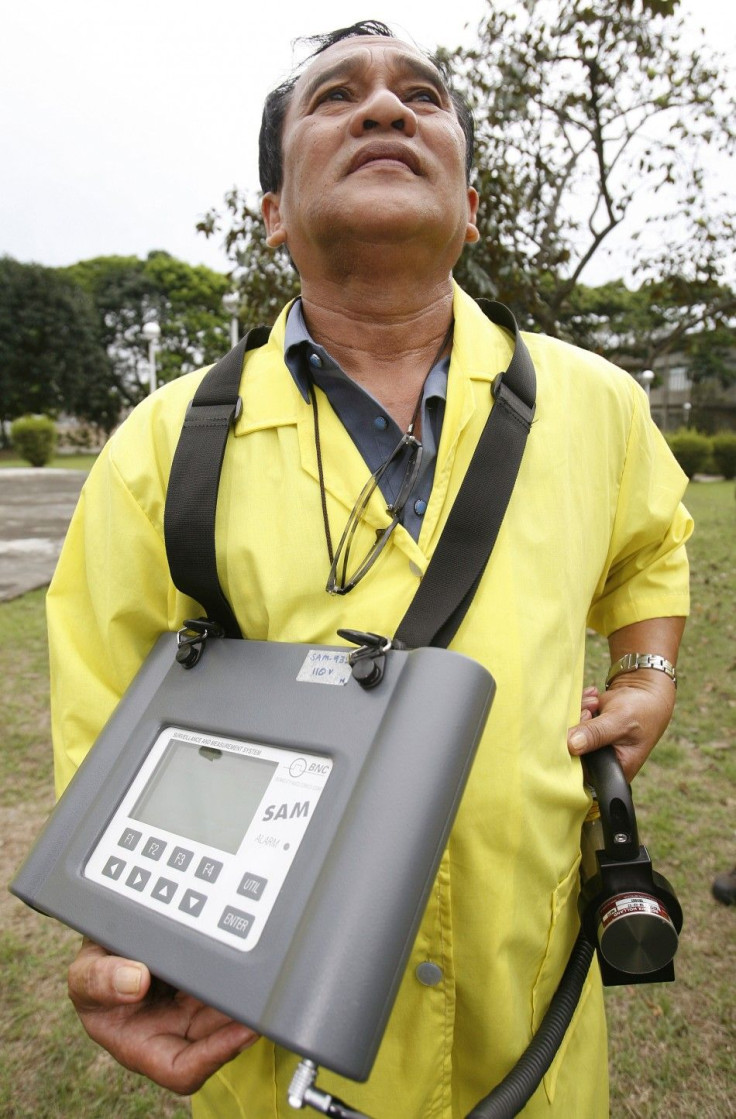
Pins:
x,y
594,535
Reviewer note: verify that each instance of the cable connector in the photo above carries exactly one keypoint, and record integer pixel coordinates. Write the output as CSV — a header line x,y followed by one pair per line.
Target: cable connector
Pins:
x,y
304,1093
304,1077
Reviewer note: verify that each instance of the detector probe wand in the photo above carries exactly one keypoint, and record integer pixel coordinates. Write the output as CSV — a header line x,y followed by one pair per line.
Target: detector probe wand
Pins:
x,y
508,1098
629,914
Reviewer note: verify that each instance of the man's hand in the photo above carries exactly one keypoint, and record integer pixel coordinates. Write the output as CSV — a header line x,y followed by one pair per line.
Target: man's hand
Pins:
x,y
633,714
172,1038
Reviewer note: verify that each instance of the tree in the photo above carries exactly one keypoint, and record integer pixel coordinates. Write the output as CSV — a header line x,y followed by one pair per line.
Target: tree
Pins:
x,y
186,301
52,358
590,119
581,110
638,327
267,279
713,356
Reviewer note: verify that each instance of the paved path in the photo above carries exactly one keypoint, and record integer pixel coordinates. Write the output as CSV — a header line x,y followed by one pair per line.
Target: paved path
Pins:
x,y
35,508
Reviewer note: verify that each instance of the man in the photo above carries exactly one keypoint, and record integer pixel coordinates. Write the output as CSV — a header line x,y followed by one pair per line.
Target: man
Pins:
x,y
364,161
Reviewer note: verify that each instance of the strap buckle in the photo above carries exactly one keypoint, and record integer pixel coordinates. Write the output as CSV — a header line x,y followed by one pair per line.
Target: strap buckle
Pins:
x,y
209,413
368,661
513,404
191,638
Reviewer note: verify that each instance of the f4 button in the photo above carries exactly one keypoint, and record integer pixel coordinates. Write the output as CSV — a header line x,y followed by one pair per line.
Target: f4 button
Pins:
x,y
208,870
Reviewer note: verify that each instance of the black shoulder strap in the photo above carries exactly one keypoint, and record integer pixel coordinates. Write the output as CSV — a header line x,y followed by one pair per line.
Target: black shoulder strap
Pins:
x,y
191,497
461,555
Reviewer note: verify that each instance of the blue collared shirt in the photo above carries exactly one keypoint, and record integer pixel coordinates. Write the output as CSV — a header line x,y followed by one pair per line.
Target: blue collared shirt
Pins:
x,y
374,432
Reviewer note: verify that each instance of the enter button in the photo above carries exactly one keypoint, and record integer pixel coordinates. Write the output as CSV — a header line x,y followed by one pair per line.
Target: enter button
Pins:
x,y
236,922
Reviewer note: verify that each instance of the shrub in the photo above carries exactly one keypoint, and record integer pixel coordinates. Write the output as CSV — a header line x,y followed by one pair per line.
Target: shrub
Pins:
x,y
79,436
724,453
692,450
34,438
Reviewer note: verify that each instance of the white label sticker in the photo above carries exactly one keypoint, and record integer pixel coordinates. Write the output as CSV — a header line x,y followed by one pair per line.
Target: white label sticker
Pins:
x,y
325,666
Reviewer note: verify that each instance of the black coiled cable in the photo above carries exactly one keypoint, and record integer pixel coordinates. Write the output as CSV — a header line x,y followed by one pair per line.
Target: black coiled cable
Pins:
x,y
341,1110
516,1089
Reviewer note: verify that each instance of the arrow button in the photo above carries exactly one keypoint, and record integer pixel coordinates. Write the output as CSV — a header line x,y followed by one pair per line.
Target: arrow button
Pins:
x,y
192,903
164,890
137,878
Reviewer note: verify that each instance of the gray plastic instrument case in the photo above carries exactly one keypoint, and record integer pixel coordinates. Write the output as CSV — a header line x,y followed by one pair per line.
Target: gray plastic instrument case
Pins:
x,y
322,978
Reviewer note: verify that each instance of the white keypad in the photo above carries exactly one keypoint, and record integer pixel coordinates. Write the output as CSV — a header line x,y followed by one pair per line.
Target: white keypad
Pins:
x,y
193,791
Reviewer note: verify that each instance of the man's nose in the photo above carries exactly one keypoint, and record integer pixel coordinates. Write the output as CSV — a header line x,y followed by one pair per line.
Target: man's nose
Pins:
x,y
383,110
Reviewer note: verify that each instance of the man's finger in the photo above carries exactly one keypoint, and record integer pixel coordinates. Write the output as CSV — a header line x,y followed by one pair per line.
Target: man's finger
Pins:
x,y
196,1062
205,1021
593,733
97,979
179,1064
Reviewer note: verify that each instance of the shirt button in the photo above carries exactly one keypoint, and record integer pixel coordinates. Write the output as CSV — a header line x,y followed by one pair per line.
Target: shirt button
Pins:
x,y
381,423
315,360
420,507
415,569
429,974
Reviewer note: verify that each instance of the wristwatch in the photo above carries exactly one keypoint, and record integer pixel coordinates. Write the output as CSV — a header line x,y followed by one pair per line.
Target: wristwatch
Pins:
x,y
630,662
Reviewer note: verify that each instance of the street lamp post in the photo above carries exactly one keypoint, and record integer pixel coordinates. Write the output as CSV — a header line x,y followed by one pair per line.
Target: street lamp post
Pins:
x,y
231,303
686,410
646,377
152,332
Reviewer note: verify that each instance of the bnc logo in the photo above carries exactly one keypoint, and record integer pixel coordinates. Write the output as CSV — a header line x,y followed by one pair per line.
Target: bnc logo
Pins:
x,y
319,767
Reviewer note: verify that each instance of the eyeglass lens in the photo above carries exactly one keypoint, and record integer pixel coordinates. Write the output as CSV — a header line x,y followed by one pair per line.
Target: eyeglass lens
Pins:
x,y
339,580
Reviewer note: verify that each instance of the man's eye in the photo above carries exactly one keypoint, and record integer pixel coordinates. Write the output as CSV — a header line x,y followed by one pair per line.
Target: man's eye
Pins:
x,y
339,93
427,95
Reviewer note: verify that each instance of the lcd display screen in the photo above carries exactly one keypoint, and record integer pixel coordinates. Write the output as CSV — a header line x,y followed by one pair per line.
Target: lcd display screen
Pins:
x,y
204,794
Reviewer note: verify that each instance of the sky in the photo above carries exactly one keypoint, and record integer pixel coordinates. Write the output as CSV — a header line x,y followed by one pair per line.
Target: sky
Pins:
x,y
122,124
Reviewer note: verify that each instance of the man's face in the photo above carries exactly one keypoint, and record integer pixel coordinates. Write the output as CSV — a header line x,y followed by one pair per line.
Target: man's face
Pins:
x,y
373,152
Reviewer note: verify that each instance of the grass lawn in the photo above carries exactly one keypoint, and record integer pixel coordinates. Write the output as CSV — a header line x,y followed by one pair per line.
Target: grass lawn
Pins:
x,y
64,462
48,1067
673,1046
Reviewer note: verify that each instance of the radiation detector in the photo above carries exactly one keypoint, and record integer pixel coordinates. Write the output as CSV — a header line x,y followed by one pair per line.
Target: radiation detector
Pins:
x,y
263,831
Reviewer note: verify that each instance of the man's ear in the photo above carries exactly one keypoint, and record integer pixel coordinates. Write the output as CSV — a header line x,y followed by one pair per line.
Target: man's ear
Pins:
x,y
275,228
471,230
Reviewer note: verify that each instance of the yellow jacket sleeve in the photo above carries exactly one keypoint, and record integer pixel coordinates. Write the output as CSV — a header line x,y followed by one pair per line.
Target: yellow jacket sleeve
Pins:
x,y
109,600
646,570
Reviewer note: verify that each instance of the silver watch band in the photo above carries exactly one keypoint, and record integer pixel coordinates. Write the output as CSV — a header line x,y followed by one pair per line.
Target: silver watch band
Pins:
x,y
630,662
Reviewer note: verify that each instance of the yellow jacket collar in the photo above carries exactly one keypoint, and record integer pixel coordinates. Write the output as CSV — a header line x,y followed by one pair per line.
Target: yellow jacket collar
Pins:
x,y
480,351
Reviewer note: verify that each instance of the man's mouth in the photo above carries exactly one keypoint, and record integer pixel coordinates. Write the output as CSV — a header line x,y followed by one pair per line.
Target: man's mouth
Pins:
x,y
384,151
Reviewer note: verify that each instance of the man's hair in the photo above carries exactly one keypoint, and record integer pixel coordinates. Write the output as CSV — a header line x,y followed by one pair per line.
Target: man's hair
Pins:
x,y
270,164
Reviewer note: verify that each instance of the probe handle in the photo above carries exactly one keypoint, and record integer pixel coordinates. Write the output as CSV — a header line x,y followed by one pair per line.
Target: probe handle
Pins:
x,y
613,792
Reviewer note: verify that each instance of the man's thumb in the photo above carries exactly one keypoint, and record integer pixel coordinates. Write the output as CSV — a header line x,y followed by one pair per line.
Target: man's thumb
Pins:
x,y
590,735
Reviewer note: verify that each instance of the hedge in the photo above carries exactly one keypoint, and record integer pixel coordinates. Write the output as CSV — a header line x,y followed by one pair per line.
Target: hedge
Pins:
x,y
724,453
34,438
692,450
